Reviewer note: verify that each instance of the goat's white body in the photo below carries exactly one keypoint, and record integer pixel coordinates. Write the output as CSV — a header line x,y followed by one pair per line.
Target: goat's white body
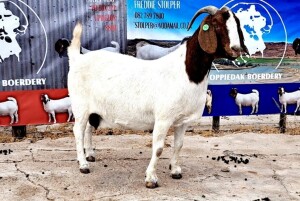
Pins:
x,y
135,94
58,106
10,108
131,93
250,99
151,52
290,98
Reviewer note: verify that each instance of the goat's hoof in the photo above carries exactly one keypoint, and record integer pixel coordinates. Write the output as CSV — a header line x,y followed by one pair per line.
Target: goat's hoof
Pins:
x,y
176,176
85,170
151,184
91,158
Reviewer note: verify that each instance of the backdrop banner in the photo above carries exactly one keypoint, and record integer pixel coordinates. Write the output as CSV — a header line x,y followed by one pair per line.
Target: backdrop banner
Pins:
x,y
33,61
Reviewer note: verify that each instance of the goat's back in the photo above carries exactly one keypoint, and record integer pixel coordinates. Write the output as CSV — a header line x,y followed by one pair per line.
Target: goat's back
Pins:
x,y
290,97
7,107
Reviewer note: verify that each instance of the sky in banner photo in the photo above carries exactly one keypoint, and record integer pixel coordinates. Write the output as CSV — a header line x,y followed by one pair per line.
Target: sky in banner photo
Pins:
x,y
277,19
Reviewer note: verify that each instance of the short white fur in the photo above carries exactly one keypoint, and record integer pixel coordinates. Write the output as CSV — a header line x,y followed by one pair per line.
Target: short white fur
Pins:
x,y
233,32
10,108
289,98
57,106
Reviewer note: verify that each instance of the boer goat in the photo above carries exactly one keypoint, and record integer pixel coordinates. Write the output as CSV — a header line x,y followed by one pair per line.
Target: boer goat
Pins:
x,y
288,98
121,91
56,106
10,107
250,99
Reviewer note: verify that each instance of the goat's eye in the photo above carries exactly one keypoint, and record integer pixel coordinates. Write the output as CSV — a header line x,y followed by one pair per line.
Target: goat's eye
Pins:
x,y
226,15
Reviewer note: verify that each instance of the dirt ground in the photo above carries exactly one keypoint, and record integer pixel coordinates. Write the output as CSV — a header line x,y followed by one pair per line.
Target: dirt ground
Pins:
x,y
248,159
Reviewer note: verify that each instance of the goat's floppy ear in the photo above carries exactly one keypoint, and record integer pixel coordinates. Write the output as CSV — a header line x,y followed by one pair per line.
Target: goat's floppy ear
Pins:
x,y
207,37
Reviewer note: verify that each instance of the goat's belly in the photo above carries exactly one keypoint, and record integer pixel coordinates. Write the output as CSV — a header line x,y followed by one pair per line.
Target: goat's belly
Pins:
x,y
122,123
138,119
60,110
134,119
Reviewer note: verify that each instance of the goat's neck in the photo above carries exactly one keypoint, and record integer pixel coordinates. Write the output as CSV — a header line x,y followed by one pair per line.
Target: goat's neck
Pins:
x,y
198,62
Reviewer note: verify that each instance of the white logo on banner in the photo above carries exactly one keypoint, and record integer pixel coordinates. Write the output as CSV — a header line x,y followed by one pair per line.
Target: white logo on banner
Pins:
x,y
256,22
254,26
9,29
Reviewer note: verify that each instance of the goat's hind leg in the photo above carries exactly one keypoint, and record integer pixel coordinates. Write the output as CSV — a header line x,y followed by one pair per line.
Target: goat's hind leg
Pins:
x,y
297,107
12,118
256,107
178,143
89,151
70,114
16,117
253,109
79,131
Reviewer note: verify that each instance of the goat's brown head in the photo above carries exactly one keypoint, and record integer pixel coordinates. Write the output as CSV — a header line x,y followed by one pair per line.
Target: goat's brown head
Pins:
x,y
220,33
233,92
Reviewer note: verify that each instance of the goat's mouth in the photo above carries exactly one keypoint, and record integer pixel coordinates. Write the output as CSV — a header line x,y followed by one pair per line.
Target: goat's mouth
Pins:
x,y
232,55
235,52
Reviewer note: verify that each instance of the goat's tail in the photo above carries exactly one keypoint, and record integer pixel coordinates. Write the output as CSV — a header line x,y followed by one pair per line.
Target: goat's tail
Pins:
x,y
74,48
116,44
255,91
12,99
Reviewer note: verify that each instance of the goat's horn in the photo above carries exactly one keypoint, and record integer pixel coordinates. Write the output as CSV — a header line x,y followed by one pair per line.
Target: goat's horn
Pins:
x,y
208,9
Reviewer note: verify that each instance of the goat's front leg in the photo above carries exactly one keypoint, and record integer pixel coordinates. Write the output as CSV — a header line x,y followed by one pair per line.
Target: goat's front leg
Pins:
x,y
178,143
53,116
240,109
284,107
89,151
49,115
79,129
159,134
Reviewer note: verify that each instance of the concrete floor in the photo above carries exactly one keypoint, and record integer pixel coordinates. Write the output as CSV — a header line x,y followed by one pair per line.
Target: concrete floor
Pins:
x,y
269,169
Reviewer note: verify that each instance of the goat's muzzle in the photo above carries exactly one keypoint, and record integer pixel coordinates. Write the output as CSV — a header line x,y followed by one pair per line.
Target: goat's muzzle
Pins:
x,y
234,52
